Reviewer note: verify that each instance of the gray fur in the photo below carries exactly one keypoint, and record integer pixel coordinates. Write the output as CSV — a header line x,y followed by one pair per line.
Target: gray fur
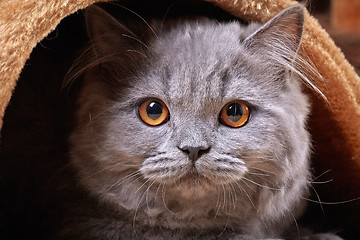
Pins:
x,y
251,182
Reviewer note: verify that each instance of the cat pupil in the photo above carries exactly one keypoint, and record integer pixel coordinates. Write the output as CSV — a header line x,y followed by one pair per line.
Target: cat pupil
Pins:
x,y
154,110
234,112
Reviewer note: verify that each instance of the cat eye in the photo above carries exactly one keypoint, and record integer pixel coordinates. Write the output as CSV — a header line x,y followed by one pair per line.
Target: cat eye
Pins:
x,y
153,112
235,114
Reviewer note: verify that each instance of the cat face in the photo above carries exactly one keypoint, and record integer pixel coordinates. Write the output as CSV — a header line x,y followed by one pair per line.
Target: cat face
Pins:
x,y
194,141
198,108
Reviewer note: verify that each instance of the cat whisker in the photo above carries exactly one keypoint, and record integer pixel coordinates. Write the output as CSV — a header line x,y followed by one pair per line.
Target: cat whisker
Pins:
x,y
92,118
141,198
220,206
139,16
321,203
129,176
322,174
177,183
260,185
332,203
232,192
304,67
142,54
224,200
259,174
259,158
246,193
234,197
323,182
318,197
265,179
225,227
136,39
82,64
296,225
147,194
134,180
165,15
141,187
217,205
157,190
316,193
112,166
262,170
251,187
164,201
299,66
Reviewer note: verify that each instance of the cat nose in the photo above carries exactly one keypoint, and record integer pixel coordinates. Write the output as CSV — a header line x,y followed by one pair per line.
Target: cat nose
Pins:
x,y
194,153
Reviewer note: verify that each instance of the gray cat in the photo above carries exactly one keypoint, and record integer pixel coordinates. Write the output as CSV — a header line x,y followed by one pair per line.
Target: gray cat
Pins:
x,y
193,129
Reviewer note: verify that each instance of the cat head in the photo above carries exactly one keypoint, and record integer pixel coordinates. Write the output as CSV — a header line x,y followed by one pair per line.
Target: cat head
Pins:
x,y
196,107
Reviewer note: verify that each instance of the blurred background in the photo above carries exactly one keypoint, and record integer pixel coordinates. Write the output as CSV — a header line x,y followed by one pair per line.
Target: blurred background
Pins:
x,y
341,19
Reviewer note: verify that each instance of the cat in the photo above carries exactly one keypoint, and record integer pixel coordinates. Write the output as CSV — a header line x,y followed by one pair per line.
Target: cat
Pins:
x,y
192,129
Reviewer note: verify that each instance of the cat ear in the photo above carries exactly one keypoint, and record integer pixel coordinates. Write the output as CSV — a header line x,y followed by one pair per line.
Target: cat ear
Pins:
x,y
106,33
281,34
117,47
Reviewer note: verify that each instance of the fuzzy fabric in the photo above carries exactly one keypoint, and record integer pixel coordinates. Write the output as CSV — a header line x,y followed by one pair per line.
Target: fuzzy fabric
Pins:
x,y
334,122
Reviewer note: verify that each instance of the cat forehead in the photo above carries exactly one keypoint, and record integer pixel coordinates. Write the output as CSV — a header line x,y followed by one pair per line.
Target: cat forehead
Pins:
x,y
200,62
202,58
200,42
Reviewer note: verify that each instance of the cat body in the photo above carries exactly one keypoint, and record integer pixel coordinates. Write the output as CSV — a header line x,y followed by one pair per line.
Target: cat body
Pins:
x,y
193,175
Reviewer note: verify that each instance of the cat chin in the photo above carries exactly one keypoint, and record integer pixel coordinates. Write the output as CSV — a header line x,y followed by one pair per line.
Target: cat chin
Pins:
x,y
199,202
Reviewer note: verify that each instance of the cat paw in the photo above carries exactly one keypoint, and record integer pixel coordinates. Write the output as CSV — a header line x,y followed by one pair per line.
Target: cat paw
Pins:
x,y
322,236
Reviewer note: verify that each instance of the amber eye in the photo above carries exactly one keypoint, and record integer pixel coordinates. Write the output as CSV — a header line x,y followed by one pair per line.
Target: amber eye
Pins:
x,y
235,114
153,112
